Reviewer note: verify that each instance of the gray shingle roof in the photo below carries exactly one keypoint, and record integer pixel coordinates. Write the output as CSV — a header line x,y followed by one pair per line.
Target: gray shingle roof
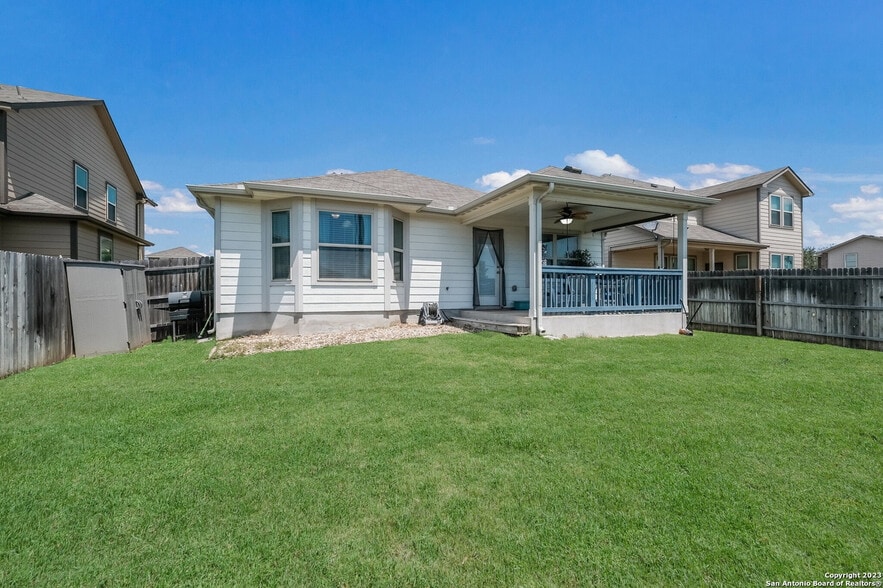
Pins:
x,y
741,183
37,204
668,229
391,182
175,252
17,96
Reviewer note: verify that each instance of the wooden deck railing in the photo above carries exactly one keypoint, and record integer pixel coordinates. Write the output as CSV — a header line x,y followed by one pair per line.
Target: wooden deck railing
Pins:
x,y
590,290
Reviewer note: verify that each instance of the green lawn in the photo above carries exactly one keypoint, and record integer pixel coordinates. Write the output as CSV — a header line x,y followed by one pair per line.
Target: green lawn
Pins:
x,y
454,460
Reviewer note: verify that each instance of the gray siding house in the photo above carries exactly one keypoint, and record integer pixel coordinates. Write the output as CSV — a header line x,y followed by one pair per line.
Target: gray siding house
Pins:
x,y
757,224
68,186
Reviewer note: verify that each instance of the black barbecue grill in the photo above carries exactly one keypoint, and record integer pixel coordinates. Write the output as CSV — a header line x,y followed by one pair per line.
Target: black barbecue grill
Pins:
x,y
185,306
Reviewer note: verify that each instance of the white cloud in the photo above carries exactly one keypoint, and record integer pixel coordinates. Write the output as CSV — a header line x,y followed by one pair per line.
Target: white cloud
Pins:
x,y
501,178
170,199
597,162
154,231
728,171
705,183
858,207
339,171
870,189
815,236
483,141
151,186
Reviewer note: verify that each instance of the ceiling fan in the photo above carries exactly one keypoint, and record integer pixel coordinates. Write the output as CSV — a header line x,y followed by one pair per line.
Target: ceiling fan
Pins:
x,y
568,216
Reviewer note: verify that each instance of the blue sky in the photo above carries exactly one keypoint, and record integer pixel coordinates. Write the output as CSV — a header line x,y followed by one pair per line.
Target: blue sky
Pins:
x,y
472,92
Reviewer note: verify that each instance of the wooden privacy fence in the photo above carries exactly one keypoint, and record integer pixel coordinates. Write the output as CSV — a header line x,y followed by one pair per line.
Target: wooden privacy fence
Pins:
x,y
35,319
836,306
176,274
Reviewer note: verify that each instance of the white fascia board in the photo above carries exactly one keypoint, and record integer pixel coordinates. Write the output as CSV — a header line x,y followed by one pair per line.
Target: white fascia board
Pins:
x,y
274,191
655,198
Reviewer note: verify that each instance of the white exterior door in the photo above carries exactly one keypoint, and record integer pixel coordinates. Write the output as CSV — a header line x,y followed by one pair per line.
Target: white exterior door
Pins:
x,y
488,276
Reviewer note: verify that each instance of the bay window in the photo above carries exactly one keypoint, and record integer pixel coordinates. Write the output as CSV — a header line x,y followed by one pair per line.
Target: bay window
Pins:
x,y
344,246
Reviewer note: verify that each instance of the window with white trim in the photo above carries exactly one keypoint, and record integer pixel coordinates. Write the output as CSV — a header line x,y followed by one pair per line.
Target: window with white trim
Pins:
x,y
111,194
850,260
398,250
781,211
344,246
780,261
671,262
81,186
742,261
280,243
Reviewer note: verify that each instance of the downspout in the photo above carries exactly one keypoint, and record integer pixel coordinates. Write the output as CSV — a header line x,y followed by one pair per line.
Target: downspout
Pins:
x,y
537,286
4,176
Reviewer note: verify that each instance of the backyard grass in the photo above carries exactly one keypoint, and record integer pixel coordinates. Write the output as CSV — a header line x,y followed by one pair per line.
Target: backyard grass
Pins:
x,y
454,460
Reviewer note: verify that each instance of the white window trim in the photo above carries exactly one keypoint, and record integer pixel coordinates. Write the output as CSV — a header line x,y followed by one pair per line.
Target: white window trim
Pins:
x,y
321,207
781,210
736,261
102,236
275,280
846,257
782,257
111,206
402,250
77,186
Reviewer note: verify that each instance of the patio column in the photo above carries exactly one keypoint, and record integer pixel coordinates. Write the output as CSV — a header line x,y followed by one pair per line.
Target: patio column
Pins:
x,y
711,260
682,257
532,278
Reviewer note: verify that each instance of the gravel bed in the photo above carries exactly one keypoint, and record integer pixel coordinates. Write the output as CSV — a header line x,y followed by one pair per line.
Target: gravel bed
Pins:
x,y
266,343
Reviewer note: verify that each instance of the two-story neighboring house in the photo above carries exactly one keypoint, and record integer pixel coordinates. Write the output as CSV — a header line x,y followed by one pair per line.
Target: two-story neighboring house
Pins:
x,y
67,185
757,224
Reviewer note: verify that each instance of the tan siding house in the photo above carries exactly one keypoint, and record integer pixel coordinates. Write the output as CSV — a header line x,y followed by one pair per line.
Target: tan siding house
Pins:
x,y
70,188
862,251
756,224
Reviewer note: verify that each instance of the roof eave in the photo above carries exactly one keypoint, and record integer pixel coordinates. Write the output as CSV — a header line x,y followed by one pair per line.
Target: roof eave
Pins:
x,y
585,184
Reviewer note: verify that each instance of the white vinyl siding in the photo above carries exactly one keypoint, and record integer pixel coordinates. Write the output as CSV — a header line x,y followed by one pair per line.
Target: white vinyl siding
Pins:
x,y
441,262
239,257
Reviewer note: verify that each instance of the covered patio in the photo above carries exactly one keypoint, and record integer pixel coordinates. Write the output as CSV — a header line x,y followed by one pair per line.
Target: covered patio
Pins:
x,y
582,299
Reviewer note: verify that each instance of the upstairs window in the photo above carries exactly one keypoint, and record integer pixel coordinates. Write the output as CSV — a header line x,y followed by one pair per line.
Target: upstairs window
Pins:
x,y
344,246
781,211
398,250
111,192
81,186
280,242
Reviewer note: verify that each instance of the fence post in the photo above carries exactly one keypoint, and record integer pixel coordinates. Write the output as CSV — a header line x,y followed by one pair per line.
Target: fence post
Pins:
x,y
758,304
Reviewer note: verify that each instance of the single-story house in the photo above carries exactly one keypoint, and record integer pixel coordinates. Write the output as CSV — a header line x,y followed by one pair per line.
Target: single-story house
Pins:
x,y
861,251
368,249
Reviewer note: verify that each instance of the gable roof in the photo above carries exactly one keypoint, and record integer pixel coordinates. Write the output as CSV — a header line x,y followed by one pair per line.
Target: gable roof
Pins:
x,y
20,98
761,179
848,241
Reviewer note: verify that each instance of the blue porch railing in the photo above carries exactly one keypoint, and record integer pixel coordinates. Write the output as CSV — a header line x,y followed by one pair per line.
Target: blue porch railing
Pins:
x,y
588,290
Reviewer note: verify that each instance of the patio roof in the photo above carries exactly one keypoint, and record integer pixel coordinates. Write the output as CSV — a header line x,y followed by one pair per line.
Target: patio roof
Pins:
x,y
697,235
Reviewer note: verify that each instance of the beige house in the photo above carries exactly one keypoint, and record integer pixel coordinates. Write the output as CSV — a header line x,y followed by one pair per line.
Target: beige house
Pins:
x,y
757,224
68,186
862,251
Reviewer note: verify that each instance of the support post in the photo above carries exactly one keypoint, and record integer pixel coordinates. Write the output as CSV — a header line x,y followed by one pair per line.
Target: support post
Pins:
x,y
682,259
533,282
